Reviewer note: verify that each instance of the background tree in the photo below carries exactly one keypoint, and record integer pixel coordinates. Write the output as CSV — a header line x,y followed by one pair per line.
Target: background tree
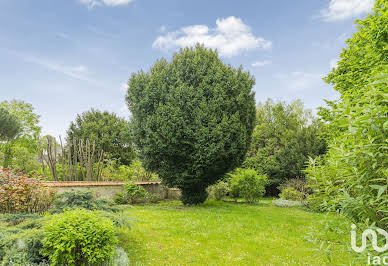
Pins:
x,y
192,119
285,136
10,127
110,133
20,153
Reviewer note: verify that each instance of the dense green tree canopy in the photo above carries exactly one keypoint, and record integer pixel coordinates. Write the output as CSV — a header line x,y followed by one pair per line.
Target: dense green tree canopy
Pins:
x,y
366,50
192,119
110,132
25,114
284,137
25,145
10,127
352,177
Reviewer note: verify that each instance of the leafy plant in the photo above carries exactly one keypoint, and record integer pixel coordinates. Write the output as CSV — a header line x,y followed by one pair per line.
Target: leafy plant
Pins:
x,y
134,194
290,193
218,190
79,237
284,137
80,199
246,183
192,119
108,131
21,194
353,176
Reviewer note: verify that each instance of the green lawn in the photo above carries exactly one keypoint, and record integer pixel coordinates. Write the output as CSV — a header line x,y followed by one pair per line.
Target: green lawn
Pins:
x,y
225,234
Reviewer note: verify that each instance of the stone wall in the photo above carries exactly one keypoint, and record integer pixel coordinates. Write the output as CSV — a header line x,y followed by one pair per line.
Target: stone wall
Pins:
x,y
109,189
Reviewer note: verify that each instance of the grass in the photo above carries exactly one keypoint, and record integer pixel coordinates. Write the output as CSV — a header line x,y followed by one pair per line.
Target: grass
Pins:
x,y
226,233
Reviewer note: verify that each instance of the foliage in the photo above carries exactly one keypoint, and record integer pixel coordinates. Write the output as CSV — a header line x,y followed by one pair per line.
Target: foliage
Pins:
x,y
246,183
10,127
134,194
298,184
80,199
352,177
286,203
20,153
290,193
135,172
283,139
79,237
366,50
19,193
25,114
218,190
192,119
24,248
109,131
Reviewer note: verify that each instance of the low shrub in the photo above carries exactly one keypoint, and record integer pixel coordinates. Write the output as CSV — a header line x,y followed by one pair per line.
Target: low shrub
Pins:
x,y
298,184
79,237
134,194
81,199
218,190
286,203
246,183
21,194
290,193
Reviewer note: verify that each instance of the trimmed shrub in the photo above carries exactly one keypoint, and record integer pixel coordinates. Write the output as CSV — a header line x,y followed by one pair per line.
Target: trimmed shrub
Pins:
x,y
79,237
291,194
21,194
218,190
246,183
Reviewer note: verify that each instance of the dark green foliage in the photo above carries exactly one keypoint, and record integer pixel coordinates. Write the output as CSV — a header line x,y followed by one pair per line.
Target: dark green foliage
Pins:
x,y
79,237
284,138
10,127
192,119
81,199
109,131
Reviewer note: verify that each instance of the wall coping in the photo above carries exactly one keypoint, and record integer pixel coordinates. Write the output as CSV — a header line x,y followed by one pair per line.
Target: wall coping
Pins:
x,y
92,183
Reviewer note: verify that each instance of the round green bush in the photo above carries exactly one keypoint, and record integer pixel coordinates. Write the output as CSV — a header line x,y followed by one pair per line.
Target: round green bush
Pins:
x,y
79,237
247,184
218,190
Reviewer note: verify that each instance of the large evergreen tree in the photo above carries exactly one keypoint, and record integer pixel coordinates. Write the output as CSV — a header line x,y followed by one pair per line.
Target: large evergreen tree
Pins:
x,y
192,119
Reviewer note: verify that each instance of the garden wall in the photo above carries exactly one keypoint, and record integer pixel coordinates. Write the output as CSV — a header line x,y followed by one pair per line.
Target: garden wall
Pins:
x,y
108,189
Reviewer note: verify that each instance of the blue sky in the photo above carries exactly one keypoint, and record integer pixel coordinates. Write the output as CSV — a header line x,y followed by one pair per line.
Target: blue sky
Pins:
x,y
67,56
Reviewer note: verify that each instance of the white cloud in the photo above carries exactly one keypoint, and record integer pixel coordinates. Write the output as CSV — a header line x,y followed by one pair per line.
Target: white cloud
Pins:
x,y
343,9
79,72
261,63
230,37
300,81
93,3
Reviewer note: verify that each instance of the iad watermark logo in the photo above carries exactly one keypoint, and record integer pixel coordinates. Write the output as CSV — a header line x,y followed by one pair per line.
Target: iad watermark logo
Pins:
x,y
372,260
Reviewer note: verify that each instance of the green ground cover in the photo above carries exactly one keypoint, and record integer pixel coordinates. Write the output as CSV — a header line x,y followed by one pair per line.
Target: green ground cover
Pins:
x,y
226,233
